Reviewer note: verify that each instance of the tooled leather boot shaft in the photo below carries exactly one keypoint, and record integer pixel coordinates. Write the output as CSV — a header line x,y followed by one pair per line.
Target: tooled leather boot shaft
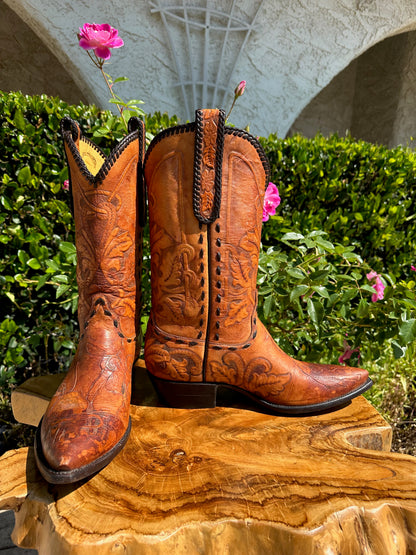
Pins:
x,y
87,420
108,235
204,238
234,241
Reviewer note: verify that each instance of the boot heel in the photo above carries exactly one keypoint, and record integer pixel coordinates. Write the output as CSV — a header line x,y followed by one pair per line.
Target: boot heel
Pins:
x,y
185,395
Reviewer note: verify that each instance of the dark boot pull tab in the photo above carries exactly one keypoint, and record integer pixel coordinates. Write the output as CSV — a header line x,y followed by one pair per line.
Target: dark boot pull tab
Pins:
x,y
136,124
69,126
209,147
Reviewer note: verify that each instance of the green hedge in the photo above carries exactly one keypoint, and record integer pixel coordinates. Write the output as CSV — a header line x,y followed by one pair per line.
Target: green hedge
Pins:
x,y
358,193
361,194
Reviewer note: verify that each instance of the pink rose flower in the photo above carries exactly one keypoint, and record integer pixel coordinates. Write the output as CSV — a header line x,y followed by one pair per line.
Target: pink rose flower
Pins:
x,y
240,88
99,38
348,351
377,284
413,268
271,201
65,185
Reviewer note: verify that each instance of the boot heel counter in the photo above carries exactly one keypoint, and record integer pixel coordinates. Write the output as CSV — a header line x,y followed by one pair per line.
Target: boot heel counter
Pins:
x,y
184,395
171,358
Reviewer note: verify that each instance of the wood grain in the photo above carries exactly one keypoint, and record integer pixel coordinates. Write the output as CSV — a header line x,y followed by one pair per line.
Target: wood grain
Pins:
x,y
227,480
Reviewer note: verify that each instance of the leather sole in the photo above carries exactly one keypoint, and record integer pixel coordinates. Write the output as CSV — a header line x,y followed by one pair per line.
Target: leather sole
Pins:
x,y
75,475
194,395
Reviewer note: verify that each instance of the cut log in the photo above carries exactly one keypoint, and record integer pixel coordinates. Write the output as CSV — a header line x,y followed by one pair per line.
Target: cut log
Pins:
x,y
226,480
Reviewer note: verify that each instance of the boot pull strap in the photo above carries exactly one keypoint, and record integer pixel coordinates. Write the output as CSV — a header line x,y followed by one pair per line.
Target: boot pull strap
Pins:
x,y
68,125
209,146
136,124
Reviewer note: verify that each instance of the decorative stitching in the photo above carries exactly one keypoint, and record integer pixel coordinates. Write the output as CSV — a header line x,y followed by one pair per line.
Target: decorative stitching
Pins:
x,y
100,301
208,153
188,127
254,142
192,343
67,130
176,130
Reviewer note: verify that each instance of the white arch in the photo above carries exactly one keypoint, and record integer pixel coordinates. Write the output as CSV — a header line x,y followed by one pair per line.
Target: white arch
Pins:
x,y
294,52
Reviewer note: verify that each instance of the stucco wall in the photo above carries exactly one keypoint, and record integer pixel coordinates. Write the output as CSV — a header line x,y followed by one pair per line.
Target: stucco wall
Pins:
x,y
294,50
373,98
27,64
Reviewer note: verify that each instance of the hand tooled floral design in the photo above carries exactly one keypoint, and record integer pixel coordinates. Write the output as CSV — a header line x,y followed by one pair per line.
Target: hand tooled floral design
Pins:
x,y
208,157
325,377
255,375
225,373
209,152
177,289
173,363
103,245
242,269
113,261
237,312
105,251
260,379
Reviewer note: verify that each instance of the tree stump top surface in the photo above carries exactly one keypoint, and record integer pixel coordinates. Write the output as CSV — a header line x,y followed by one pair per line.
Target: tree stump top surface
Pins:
x,y
226,480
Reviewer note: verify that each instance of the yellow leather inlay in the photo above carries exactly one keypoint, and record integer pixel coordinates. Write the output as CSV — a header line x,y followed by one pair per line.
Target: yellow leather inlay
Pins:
x,y
92,158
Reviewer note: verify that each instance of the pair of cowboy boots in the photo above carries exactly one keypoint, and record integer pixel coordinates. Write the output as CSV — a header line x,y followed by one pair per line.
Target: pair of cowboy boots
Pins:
x,y
205,186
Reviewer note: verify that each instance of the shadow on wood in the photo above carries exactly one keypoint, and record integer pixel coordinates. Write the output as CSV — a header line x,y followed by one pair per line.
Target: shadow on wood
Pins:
x,y
223,480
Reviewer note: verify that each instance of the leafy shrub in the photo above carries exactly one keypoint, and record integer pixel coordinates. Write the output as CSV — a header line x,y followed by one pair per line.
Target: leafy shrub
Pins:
x,y
360,193
314,296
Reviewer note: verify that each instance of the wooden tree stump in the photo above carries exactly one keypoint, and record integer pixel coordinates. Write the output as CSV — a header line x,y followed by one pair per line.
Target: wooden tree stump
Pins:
x,y
223,481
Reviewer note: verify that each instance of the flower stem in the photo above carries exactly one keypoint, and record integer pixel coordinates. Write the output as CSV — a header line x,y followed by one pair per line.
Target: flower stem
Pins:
x,y
98,62
231,109
114,97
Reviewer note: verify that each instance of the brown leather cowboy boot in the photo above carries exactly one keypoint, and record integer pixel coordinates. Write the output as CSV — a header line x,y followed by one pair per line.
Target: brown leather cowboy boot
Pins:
x,y
87,421
206,187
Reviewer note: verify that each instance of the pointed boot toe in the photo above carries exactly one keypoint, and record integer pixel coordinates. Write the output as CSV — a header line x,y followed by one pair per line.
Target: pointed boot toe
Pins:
x,y
72,449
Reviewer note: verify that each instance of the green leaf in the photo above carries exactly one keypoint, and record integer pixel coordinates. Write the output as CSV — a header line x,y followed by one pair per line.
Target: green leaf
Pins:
x,y
315,311
297,291
268,305
316,233
34,263
68,344
319,275
6,203
61,290
368,288
11,296
61,278
19,121
52,266
398,350
41,281
324,244
67,247
407,331
348,295
296,273
24,175
321,290
292,236
22,256
363,309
